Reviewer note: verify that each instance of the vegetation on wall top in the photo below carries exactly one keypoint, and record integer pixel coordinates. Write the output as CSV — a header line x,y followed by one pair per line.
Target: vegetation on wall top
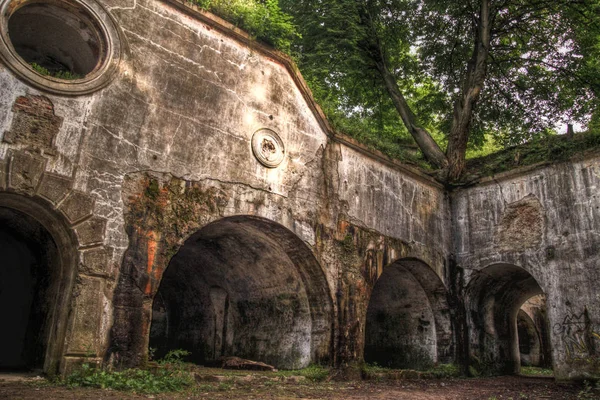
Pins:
x,y
432,82
262,19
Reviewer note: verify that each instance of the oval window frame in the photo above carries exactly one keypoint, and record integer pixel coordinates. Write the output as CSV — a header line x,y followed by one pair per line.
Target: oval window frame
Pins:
x,y
104,72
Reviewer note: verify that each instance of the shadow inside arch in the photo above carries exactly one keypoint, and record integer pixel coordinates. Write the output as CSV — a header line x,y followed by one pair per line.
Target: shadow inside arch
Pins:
x,y
494,297
38,270
408,318
240,286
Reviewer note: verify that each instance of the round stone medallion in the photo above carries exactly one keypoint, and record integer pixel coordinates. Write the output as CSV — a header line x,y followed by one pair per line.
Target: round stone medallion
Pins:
x,y
268,148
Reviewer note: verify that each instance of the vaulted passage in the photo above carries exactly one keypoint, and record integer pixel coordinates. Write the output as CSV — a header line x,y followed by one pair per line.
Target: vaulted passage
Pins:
x,y
245,287
33,292
408,323
502,300
533,333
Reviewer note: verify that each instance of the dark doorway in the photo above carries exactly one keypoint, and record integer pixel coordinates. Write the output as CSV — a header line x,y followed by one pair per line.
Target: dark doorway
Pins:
x,y
29,256
502,333
408,320
245,287
533,333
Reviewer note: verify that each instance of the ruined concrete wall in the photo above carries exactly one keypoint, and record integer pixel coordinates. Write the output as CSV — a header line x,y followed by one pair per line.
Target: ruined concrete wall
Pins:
x,y
166,148
546,222
385,214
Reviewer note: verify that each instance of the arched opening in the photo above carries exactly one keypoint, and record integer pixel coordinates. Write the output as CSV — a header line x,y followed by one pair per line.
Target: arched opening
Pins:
x,y
36,276
246,287
529,341
56,38
503,334
533,333
408,320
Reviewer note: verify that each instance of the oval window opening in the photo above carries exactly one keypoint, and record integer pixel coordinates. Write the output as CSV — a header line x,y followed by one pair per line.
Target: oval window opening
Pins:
x,y
56,41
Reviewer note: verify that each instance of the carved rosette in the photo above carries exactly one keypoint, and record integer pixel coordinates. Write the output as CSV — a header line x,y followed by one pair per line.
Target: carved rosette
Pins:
x,y
268,148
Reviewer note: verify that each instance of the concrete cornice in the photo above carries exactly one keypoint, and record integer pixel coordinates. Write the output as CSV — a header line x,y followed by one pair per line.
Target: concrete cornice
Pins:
x,y
244,38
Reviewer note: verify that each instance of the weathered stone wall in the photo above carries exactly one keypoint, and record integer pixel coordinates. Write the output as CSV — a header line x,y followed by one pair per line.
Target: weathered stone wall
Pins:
x,y
138,167
547,223
144,169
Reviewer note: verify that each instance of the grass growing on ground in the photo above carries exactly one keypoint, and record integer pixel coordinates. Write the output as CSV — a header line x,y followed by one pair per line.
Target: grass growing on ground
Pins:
x,y
314,373
444,371
440,371
262,19
171,376
536,371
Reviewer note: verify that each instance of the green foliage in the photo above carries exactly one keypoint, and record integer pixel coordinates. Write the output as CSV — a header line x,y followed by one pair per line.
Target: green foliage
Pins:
x,y
542,69
550,148
443,371
263,19
371,369
61,74
171,376
345,82
314,373
590,391
536,371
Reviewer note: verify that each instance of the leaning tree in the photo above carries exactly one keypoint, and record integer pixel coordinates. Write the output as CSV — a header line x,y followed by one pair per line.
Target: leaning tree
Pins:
x,y
511,68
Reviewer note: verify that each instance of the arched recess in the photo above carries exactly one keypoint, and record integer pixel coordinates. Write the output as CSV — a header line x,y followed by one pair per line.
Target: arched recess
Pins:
x,y
529,340
37,273
248,287
533,318
408,319
495,295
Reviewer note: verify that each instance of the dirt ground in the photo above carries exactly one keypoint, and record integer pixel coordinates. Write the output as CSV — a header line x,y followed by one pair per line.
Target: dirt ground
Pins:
x,y
515,388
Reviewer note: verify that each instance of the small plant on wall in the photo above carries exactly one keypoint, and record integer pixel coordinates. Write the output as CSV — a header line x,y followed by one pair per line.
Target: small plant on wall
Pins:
x,y
61,74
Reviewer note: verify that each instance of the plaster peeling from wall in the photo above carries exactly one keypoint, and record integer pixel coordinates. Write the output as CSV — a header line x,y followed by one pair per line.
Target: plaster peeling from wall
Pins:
x,y
305,232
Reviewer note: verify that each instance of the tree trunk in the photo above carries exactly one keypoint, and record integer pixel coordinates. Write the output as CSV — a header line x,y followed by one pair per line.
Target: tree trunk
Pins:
x,y
472,87
373,47
428,146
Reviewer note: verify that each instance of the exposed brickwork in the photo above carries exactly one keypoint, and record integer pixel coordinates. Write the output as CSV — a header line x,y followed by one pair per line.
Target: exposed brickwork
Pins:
x,y
34,123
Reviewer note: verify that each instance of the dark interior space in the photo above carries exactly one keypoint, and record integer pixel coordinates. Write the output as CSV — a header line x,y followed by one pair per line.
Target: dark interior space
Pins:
x,y
56,37
27,290
504,332
246,288
532,329
407,318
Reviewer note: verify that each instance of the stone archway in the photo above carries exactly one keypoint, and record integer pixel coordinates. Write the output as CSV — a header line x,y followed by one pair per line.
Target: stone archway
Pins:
x,y
37,278
247,287
56,246
529,340
408,320
495,296
240,285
